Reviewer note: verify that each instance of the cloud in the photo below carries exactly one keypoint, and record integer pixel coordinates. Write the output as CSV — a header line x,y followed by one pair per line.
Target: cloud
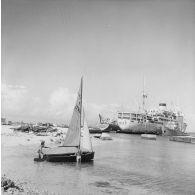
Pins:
x,y
61,102
12,98
19,103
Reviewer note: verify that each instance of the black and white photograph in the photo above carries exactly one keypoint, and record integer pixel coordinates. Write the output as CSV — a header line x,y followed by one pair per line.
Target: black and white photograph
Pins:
x,y
97,97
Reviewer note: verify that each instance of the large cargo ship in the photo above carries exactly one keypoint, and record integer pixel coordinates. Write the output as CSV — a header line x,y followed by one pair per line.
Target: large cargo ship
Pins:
x,y
159,121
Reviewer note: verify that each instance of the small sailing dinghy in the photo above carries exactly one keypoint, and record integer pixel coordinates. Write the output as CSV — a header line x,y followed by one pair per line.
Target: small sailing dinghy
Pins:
x,y
77,144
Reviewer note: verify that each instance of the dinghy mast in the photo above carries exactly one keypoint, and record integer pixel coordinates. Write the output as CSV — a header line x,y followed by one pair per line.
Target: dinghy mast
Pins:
x,y
81,98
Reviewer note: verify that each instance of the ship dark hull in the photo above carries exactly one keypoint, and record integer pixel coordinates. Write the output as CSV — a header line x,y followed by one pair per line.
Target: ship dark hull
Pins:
x,y
152,128
70,157
100,129
105,128
141,128
113,127
110,127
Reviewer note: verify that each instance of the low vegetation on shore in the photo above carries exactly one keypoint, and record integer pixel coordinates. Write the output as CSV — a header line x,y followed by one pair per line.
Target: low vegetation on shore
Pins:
x,y
9,186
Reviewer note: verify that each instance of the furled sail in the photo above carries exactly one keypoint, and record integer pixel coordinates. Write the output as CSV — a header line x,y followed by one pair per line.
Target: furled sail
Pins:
x,y
85,136
74,130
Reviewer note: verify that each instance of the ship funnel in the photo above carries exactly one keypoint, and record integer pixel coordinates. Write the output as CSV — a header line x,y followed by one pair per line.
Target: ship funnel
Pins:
x,y
162,106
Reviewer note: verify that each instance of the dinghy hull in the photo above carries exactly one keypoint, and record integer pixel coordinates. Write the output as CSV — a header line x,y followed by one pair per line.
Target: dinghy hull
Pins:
x,y
87,156
60,157
72,157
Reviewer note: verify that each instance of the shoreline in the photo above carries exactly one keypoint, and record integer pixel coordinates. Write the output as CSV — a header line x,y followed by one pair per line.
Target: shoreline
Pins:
x,y
14,140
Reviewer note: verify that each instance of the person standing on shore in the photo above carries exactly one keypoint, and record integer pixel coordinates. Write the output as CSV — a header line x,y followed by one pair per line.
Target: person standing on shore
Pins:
x,y
40,152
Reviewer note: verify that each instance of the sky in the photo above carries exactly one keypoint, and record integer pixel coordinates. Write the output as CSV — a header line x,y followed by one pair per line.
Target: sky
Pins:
x,y
48,45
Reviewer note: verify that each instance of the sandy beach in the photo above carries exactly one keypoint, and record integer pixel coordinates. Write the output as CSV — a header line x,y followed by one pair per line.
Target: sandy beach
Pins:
x,y
14,138
28,144
11,138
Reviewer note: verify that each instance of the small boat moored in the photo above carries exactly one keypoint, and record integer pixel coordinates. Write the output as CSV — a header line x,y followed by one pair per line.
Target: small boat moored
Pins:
x,y
105,136
97,135
185,139
148,136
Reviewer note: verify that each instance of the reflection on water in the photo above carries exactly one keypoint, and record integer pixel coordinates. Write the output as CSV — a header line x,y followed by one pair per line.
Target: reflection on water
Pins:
x,y
126,165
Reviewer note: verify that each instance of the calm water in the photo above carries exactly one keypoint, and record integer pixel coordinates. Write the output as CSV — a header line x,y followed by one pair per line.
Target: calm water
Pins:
x,y
126,165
